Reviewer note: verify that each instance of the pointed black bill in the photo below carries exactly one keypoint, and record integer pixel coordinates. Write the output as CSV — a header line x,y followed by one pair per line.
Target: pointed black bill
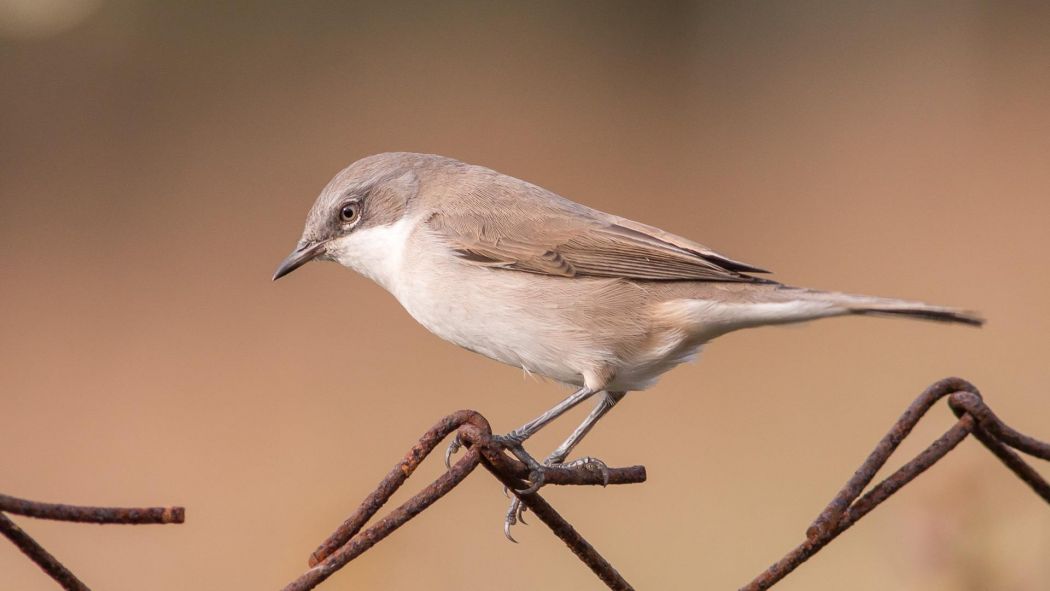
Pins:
x,y
299,257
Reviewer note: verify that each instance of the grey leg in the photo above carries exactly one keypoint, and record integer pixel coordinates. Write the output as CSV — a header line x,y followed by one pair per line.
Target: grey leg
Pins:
x,y
530,428
605,404
513,440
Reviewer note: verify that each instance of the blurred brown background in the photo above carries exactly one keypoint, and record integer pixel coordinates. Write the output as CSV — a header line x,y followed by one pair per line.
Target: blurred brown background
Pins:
x,y
158,159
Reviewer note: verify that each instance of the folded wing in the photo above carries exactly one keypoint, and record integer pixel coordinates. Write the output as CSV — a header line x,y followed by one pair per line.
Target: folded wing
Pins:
x,y
562,238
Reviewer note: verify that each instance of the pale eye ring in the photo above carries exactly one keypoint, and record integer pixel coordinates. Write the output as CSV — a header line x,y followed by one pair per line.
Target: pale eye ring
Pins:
x,y
349,212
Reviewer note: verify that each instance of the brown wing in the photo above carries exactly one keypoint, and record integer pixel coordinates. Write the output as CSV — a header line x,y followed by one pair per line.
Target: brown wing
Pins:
x,y
565,239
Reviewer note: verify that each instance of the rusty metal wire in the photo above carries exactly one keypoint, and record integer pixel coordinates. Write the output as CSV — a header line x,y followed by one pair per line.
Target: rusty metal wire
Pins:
x,y
58,512
848,506
974,418
40,556
349,542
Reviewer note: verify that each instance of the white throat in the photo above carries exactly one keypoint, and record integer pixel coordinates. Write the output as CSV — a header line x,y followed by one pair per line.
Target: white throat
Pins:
x,y
376,252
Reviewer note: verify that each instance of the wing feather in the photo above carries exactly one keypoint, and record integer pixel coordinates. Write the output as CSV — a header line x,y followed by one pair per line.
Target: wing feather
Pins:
x,y
532,230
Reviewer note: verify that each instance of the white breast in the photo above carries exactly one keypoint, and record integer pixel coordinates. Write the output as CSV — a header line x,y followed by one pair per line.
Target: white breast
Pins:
x,y
377,252
473,307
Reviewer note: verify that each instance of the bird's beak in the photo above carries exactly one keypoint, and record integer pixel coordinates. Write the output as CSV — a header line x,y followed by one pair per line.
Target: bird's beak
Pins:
x,y
304,253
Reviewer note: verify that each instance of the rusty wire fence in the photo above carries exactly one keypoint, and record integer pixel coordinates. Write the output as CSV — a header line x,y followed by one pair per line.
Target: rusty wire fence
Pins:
x,y
349,541
58,512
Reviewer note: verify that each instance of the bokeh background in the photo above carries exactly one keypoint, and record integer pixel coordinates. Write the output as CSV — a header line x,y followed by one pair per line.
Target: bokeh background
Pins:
x,y
158,159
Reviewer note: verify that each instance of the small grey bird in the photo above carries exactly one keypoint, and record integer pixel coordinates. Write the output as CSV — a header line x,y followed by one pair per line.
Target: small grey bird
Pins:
x,y
519,274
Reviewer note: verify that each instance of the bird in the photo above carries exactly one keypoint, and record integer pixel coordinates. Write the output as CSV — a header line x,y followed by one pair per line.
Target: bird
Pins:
x,y
519,274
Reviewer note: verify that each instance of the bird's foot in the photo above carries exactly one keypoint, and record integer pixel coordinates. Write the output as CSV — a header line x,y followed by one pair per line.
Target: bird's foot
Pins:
x,y
512,442
516,511
592,464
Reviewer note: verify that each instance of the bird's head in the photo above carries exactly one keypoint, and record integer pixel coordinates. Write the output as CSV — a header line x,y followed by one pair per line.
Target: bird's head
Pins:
x,y
359,206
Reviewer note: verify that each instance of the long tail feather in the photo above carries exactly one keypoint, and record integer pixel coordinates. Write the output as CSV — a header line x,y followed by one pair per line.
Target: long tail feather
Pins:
x,y
874,306
925,313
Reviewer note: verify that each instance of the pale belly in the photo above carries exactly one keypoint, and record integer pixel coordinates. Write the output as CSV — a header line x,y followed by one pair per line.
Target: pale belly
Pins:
x,y
492,318
581,332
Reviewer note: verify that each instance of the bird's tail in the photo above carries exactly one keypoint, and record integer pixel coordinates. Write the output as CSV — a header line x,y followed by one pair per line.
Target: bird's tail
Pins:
x,y
874,306
708,310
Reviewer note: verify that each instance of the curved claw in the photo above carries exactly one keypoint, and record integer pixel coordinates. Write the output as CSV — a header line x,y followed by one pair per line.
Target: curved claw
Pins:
x,y
451,450
506,531
511,519
536,478
592,463
515,515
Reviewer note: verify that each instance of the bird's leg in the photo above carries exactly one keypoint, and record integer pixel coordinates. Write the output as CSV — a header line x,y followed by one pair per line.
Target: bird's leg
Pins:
x,y
557,457
530,428
604,405
513,440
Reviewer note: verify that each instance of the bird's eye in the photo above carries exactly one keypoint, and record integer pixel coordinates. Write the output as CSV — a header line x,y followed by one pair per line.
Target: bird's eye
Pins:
x,y
348,212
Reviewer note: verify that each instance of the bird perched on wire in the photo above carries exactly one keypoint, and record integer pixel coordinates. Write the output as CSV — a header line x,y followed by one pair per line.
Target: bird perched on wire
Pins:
x,y
519,274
